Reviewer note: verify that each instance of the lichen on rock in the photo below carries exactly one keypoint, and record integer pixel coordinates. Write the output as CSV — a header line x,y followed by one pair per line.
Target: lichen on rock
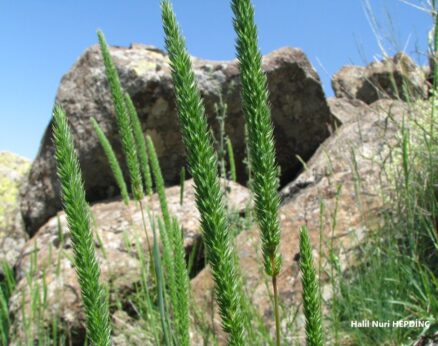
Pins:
x,y
12,236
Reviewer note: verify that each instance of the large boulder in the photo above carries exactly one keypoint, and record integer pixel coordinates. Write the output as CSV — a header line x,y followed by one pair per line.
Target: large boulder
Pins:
x,y
392,78
300,114
47,289
13,169
343,182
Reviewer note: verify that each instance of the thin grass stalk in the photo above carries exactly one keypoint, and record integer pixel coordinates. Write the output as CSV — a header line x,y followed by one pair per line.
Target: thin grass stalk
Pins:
x,y
231,160
311,292
160,288
141,144
6,288
159,181
166,230
123,120
174,254
169,266
78,218
148,242
112,160
434,66
261,142
182,285
435,46
202,161
221,115
182,180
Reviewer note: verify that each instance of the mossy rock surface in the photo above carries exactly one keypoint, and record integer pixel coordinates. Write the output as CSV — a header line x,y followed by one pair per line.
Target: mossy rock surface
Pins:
x,y
13,170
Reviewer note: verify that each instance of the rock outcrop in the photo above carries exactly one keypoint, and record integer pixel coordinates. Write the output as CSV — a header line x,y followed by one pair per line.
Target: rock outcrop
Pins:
x,y
46,261
299,110
13,170
344,181
392,78
346,110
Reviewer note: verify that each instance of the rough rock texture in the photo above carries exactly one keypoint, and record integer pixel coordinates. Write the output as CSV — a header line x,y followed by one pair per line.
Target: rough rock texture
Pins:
x,y
12,235
300,114
394,78
346,176
45,260
346,110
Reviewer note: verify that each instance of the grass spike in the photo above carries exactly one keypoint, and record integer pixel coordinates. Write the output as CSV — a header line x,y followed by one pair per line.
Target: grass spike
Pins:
x,y
123,120
112,159
141,144
78,218
203,167
260,132
255,105
311,292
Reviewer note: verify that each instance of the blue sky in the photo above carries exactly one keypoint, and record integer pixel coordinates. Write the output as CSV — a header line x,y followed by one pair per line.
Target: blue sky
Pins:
x,y
41,40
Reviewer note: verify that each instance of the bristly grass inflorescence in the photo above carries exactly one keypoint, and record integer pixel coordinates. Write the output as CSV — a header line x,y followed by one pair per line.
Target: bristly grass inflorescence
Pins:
x,y
112,160
202,161
311,291
123,120
260,141
140,144
78,218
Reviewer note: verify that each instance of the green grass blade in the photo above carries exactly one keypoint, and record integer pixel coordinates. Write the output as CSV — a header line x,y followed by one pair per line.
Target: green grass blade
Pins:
x,y
231,160
159,181
173,254
6,288
160,289
78,218
112,160
182,286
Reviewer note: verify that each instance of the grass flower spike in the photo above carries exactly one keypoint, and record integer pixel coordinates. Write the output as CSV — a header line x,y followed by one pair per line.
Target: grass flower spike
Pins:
x,y
260,132
311,295
260,141
123,120
202,162
78,218
141,144
112,159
